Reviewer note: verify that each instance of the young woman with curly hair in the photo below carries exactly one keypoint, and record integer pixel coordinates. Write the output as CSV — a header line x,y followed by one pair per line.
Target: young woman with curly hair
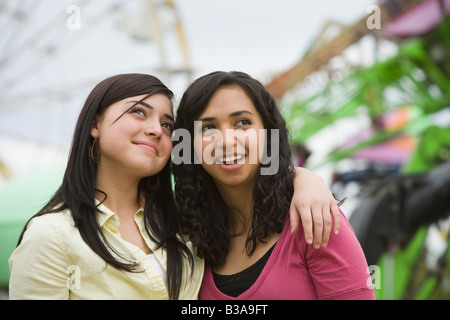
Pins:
x,y
237,212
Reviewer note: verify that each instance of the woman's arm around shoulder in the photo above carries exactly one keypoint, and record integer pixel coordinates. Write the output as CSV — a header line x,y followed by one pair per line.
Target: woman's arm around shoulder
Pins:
x,y
315,206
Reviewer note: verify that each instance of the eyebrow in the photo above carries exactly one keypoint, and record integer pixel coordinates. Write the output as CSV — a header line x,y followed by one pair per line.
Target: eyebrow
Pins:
x,y
145,104
232,115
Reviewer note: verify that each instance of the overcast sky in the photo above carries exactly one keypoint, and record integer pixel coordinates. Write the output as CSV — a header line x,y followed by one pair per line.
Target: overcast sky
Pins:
x,y
47,69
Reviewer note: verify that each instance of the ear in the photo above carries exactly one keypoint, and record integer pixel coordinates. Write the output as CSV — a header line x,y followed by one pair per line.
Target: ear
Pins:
x,y
94,129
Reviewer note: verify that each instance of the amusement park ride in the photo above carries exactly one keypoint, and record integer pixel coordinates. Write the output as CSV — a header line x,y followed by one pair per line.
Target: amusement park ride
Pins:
x,y
164,18
402,220
322,52
155,24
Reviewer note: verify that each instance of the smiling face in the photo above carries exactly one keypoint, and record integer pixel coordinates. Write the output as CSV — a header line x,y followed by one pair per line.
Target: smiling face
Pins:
x,y
134,135
230,146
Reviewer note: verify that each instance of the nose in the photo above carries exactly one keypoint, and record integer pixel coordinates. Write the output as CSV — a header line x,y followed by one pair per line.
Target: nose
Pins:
x,y
153,128
225,140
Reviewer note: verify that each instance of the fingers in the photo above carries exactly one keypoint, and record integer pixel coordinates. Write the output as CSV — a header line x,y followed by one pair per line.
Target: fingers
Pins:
x,y
318,220
294,218
322,219
327,224
318,226
307,223
336,217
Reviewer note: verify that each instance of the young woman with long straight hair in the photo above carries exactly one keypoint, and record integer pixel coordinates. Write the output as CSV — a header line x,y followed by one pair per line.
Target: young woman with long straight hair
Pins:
x,y
113,230
237,216
92,239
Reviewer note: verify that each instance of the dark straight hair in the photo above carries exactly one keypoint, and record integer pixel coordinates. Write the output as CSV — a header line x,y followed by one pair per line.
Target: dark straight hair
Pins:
x,y
205,215
77,191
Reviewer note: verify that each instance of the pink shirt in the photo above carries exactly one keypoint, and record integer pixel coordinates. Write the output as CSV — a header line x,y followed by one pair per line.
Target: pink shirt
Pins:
x,y
297,271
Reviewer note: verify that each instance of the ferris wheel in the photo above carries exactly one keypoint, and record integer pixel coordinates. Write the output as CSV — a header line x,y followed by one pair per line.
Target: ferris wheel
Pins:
x,y
39,34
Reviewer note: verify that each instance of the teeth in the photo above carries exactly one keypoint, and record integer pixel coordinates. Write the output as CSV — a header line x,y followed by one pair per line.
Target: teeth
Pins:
x,y
232,159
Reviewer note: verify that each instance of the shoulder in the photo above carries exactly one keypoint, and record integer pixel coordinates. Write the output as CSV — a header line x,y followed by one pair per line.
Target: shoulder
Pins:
x,y
39,264
61,218
48,233
339,270
47,225
346,238
343,244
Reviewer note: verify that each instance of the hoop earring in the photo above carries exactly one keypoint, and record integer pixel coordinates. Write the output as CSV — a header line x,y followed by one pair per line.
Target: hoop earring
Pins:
x,y
94,157
155,185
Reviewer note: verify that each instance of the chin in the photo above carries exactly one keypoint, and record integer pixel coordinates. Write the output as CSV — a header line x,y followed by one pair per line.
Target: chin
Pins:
x,y
233,181
147,170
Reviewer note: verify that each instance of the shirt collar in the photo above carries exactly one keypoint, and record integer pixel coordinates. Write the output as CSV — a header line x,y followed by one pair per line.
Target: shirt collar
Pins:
x,y
107,219
106,214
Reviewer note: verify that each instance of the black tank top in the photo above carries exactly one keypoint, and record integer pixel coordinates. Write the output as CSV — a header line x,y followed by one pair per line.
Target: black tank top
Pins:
x,y
236,284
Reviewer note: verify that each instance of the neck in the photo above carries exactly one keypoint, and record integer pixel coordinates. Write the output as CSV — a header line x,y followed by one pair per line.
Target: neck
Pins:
x,y
121,190
240,200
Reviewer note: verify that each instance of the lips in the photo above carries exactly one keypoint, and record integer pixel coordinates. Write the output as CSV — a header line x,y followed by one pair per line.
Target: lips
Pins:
x,y
149,146
230,167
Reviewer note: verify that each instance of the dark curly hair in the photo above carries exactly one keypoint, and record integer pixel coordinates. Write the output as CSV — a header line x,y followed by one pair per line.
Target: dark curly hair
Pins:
x,y
206,218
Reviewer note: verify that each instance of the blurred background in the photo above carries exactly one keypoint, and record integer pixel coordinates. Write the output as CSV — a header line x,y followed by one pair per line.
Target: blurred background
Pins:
x,y
363,85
